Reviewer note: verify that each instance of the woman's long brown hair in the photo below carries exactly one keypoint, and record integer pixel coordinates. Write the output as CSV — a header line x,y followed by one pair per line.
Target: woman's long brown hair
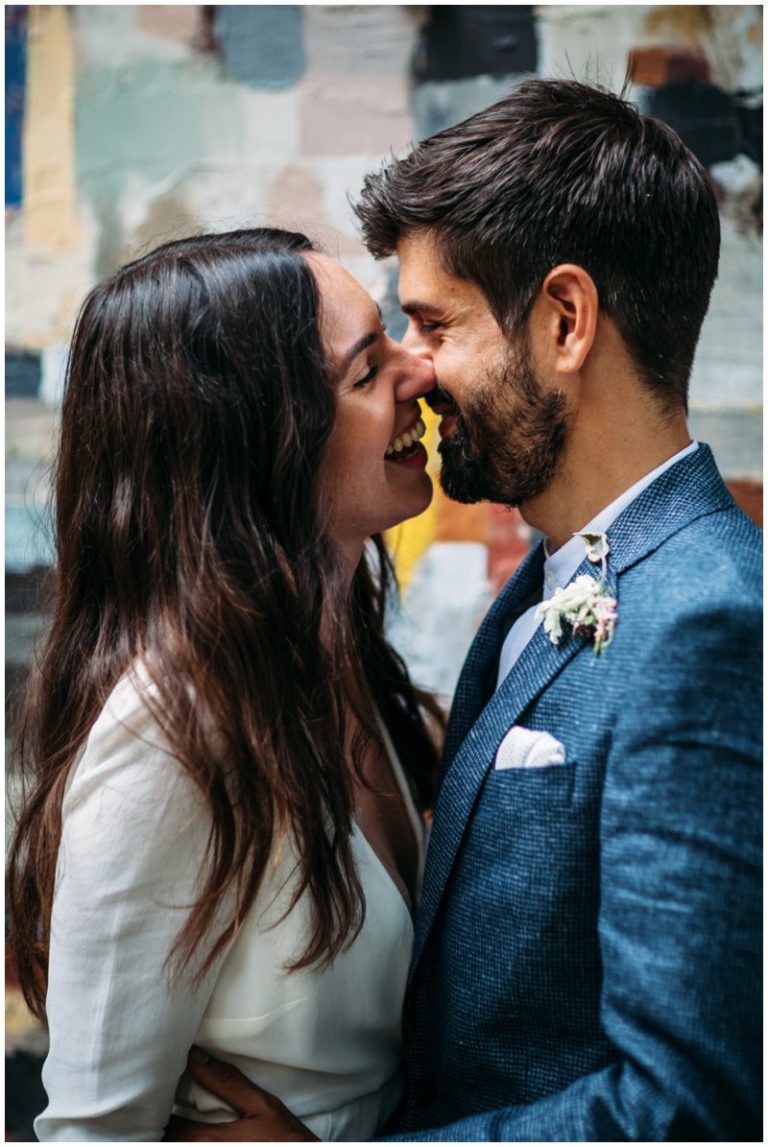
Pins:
x,y
189,533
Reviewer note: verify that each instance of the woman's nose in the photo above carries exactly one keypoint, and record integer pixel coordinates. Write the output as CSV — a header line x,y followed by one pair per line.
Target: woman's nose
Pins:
x,y
413,342
417,378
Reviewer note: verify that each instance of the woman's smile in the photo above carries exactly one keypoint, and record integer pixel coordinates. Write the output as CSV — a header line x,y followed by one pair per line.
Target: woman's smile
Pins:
x,y
378,418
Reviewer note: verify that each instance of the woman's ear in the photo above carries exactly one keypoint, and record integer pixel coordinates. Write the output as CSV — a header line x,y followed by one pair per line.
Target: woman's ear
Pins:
x,y
566,311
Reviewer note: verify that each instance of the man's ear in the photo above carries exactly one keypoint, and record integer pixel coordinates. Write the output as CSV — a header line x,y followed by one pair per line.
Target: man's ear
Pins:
x,y
566,312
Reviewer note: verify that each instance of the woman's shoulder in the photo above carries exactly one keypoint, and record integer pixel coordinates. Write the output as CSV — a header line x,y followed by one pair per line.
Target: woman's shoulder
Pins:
x,y
128,710
126,758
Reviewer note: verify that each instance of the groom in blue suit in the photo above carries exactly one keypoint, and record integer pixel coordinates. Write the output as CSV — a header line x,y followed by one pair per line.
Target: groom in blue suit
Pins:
x,y
587,955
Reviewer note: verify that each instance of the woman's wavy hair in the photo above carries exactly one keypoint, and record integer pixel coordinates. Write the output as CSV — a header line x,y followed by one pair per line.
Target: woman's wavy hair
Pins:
x,y
190,538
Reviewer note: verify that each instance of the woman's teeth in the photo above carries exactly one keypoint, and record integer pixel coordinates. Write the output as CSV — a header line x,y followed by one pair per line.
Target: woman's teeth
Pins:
x,y
407,440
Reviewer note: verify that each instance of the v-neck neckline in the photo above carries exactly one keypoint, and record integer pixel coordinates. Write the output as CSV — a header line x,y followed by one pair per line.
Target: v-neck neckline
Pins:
x,y
410,903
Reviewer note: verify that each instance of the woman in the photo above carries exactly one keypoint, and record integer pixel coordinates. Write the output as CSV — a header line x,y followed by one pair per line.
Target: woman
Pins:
x,y
221,846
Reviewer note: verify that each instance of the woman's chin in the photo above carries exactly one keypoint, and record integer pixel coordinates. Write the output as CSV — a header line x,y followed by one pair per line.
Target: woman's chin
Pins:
x,y
416,504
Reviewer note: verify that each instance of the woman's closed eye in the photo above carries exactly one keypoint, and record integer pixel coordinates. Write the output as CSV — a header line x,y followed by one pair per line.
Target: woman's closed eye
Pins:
x,y
368,378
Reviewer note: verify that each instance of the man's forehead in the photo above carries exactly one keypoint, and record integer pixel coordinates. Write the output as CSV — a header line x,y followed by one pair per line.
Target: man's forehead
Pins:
x,y
426,288
418,249
422,277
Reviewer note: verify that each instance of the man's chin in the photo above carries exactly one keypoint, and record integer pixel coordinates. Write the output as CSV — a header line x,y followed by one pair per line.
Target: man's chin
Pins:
x,y
461,478
459,492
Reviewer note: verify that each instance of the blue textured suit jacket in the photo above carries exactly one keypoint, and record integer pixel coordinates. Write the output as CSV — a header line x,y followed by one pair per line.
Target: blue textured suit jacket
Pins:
x,y
587,959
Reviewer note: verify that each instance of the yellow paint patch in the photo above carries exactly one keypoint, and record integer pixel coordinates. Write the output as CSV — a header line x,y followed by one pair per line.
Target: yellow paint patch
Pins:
x,y
459,523
683,21
409,541
50,215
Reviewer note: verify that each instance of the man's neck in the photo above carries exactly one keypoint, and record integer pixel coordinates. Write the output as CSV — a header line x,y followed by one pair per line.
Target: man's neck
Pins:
x,y
595,471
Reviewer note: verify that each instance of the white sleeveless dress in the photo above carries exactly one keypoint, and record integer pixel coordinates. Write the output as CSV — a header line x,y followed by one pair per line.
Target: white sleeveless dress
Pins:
x,y
326,1042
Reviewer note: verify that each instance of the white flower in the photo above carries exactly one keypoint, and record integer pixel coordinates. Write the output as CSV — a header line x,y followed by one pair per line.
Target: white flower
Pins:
x,y
584,604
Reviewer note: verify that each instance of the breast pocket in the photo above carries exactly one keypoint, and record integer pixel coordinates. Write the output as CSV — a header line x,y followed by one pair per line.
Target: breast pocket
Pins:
x,y
531,771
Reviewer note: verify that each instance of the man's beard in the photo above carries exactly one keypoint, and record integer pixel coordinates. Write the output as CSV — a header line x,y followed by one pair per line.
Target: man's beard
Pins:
x,y
507,441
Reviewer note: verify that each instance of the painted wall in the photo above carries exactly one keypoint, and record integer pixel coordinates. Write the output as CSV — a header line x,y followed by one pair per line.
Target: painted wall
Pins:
x,y
129,125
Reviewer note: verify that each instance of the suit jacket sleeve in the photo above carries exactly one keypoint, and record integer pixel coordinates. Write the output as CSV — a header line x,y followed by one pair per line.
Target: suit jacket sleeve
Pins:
x,y
680,903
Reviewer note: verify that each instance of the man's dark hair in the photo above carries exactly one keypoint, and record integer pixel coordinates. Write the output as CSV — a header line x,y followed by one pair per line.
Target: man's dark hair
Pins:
x,y
558,172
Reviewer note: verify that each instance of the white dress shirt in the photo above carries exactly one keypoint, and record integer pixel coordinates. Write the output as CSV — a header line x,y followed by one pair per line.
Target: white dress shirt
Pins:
x,y
326,1041
560,566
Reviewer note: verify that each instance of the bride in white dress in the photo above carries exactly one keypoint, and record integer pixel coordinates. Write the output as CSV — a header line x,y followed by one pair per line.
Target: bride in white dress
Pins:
x,y
224,840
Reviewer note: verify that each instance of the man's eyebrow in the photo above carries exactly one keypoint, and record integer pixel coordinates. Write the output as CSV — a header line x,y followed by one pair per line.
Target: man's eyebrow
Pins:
x,y
416,307
358,347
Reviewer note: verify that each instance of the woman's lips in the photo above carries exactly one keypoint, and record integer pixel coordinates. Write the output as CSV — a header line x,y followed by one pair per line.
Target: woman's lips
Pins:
x,y
414,458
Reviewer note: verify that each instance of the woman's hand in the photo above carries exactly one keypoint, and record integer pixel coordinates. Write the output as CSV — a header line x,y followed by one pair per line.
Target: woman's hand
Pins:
x,y
262,1117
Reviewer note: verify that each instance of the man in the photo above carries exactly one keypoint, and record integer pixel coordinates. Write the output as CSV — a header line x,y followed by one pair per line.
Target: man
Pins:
x,y
586,961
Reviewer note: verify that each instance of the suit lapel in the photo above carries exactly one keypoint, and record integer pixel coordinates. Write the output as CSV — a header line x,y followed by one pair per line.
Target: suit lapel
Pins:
x,y
539,662
474,685
686,491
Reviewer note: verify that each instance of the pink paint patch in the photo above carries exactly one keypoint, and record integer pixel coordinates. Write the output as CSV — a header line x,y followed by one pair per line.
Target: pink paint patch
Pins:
x,y
354,115
508,543
180,23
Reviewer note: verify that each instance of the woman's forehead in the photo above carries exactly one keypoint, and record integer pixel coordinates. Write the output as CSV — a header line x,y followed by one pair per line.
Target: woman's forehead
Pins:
x,y
347,311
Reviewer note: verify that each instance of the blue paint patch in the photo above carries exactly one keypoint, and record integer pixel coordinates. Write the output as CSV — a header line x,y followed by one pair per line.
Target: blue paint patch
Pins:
x,y
262,45
15,82
22,374
29,538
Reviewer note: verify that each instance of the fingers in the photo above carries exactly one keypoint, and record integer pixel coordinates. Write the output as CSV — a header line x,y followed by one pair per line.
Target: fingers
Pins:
x,y
225,1081
180,1130
185,1131
262,1116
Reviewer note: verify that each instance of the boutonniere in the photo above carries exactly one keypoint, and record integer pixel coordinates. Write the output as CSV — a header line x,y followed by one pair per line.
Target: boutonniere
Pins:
x,y
585,605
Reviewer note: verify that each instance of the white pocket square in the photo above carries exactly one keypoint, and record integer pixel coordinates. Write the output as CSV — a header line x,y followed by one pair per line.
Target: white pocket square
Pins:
x,y
528,749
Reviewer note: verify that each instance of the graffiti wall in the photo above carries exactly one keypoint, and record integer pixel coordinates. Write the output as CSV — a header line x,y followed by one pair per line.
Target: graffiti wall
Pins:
x,y
128,125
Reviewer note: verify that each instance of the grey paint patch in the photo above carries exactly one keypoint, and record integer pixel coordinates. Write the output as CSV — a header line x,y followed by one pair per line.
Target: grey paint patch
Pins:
x,y
262,45
110,250
169,218
736,438
369,39
22,374
438,105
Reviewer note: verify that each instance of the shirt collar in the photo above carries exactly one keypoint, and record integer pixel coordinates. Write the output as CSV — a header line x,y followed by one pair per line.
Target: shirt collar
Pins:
x,y
560,567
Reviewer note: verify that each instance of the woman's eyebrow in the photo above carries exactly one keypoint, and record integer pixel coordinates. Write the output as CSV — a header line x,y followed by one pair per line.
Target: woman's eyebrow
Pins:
x,y
361,345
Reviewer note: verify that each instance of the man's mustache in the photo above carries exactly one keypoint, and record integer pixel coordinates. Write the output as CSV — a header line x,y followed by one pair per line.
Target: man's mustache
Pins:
x,y
438,398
